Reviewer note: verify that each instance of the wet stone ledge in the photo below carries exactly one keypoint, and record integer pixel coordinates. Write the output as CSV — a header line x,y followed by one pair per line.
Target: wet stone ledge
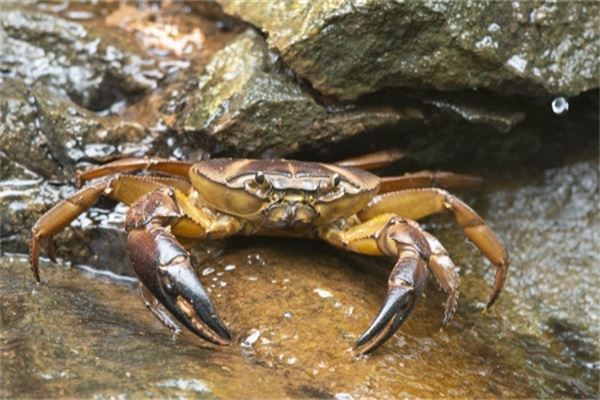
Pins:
x,y
93,66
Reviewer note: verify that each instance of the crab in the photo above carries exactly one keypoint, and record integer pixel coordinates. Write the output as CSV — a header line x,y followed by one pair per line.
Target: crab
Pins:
x,y
173,204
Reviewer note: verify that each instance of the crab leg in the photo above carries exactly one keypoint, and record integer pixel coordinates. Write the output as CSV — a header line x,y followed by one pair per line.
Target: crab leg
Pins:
x,y
393,236
373,160
125,188
164,267
445,273
170,167
424,179
419,203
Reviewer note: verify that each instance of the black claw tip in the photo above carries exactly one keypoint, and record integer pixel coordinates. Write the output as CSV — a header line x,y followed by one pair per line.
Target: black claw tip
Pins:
x,y
397,306
191,304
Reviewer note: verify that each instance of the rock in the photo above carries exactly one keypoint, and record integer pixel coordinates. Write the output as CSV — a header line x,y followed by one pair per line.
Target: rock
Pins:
x,y
246,102
44,136
50,135
21,137
96,67
349,48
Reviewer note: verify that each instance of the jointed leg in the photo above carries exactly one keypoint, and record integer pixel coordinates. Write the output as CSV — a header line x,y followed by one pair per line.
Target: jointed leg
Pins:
x,y
159,260
423,179
124,188
445,273
373,160
128,165
419,203
396,237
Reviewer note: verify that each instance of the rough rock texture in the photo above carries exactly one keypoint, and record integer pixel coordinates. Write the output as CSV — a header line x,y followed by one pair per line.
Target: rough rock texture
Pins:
x,y
49,134
45,136
348,48
94,67
246,101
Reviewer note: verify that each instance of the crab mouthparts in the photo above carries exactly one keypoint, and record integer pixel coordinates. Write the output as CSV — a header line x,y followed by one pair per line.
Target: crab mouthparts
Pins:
x,y
289,214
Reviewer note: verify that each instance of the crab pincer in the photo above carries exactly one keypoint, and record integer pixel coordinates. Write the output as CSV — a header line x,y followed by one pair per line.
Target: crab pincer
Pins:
x,y
164,268
405,286
405,240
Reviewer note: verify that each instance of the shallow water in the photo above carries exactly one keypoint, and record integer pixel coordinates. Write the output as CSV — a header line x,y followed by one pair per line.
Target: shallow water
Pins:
x,y
296,307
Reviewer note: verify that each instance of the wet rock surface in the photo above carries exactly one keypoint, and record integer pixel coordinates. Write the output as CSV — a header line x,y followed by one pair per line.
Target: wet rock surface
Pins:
x,y
44,139
94,67
295,307
245,102
347,48
50,135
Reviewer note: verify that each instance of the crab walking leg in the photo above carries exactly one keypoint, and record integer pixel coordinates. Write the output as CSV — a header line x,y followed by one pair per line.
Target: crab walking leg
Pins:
x,y
164,267
127,165
393,236
124,188
445,273
419,203
373,160
423,179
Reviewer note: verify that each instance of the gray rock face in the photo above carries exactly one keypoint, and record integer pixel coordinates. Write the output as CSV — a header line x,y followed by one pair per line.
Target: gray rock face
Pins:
x,y
45,136
349,48
94,67
48,134
246,102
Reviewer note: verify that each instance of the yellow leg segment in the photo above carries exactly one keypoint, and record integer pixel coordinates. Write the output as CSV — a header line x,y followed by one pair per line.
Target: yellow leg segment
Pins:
x,y
373,160
419,203
124,188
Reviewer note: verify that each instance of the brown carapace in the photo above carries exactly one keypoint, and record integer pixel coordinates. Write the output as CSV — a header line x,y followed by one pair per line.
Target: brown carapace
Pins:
x,y
339,203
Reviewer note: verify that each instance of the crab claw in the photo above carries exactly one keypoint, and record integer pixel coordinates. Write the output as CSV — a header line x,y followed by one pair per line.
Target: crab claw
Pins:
x,y
164,268
405,286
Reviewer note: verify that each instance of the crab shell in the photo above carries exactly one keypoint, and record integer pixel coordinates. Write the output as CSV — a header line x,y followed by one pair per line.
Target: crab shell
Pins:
x,y
279,194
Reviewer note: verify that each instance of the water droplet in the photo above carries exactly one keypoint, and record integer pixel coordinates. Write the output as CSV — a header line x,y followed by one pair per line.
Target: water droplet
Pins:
x,y
560,105
493,27
517,63
323,293
251,339
292,360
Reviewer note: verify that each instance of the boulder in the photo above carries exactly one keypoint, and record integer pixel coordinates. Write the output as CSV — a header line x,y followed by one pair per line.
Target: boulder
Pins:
x,y
246,101
94,66
347,48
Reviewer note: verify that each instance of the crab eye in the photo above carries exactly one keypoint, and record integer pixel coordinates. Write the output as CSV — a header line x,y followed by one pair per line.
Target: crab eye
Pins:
x,y
335,179
258,185
328,185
